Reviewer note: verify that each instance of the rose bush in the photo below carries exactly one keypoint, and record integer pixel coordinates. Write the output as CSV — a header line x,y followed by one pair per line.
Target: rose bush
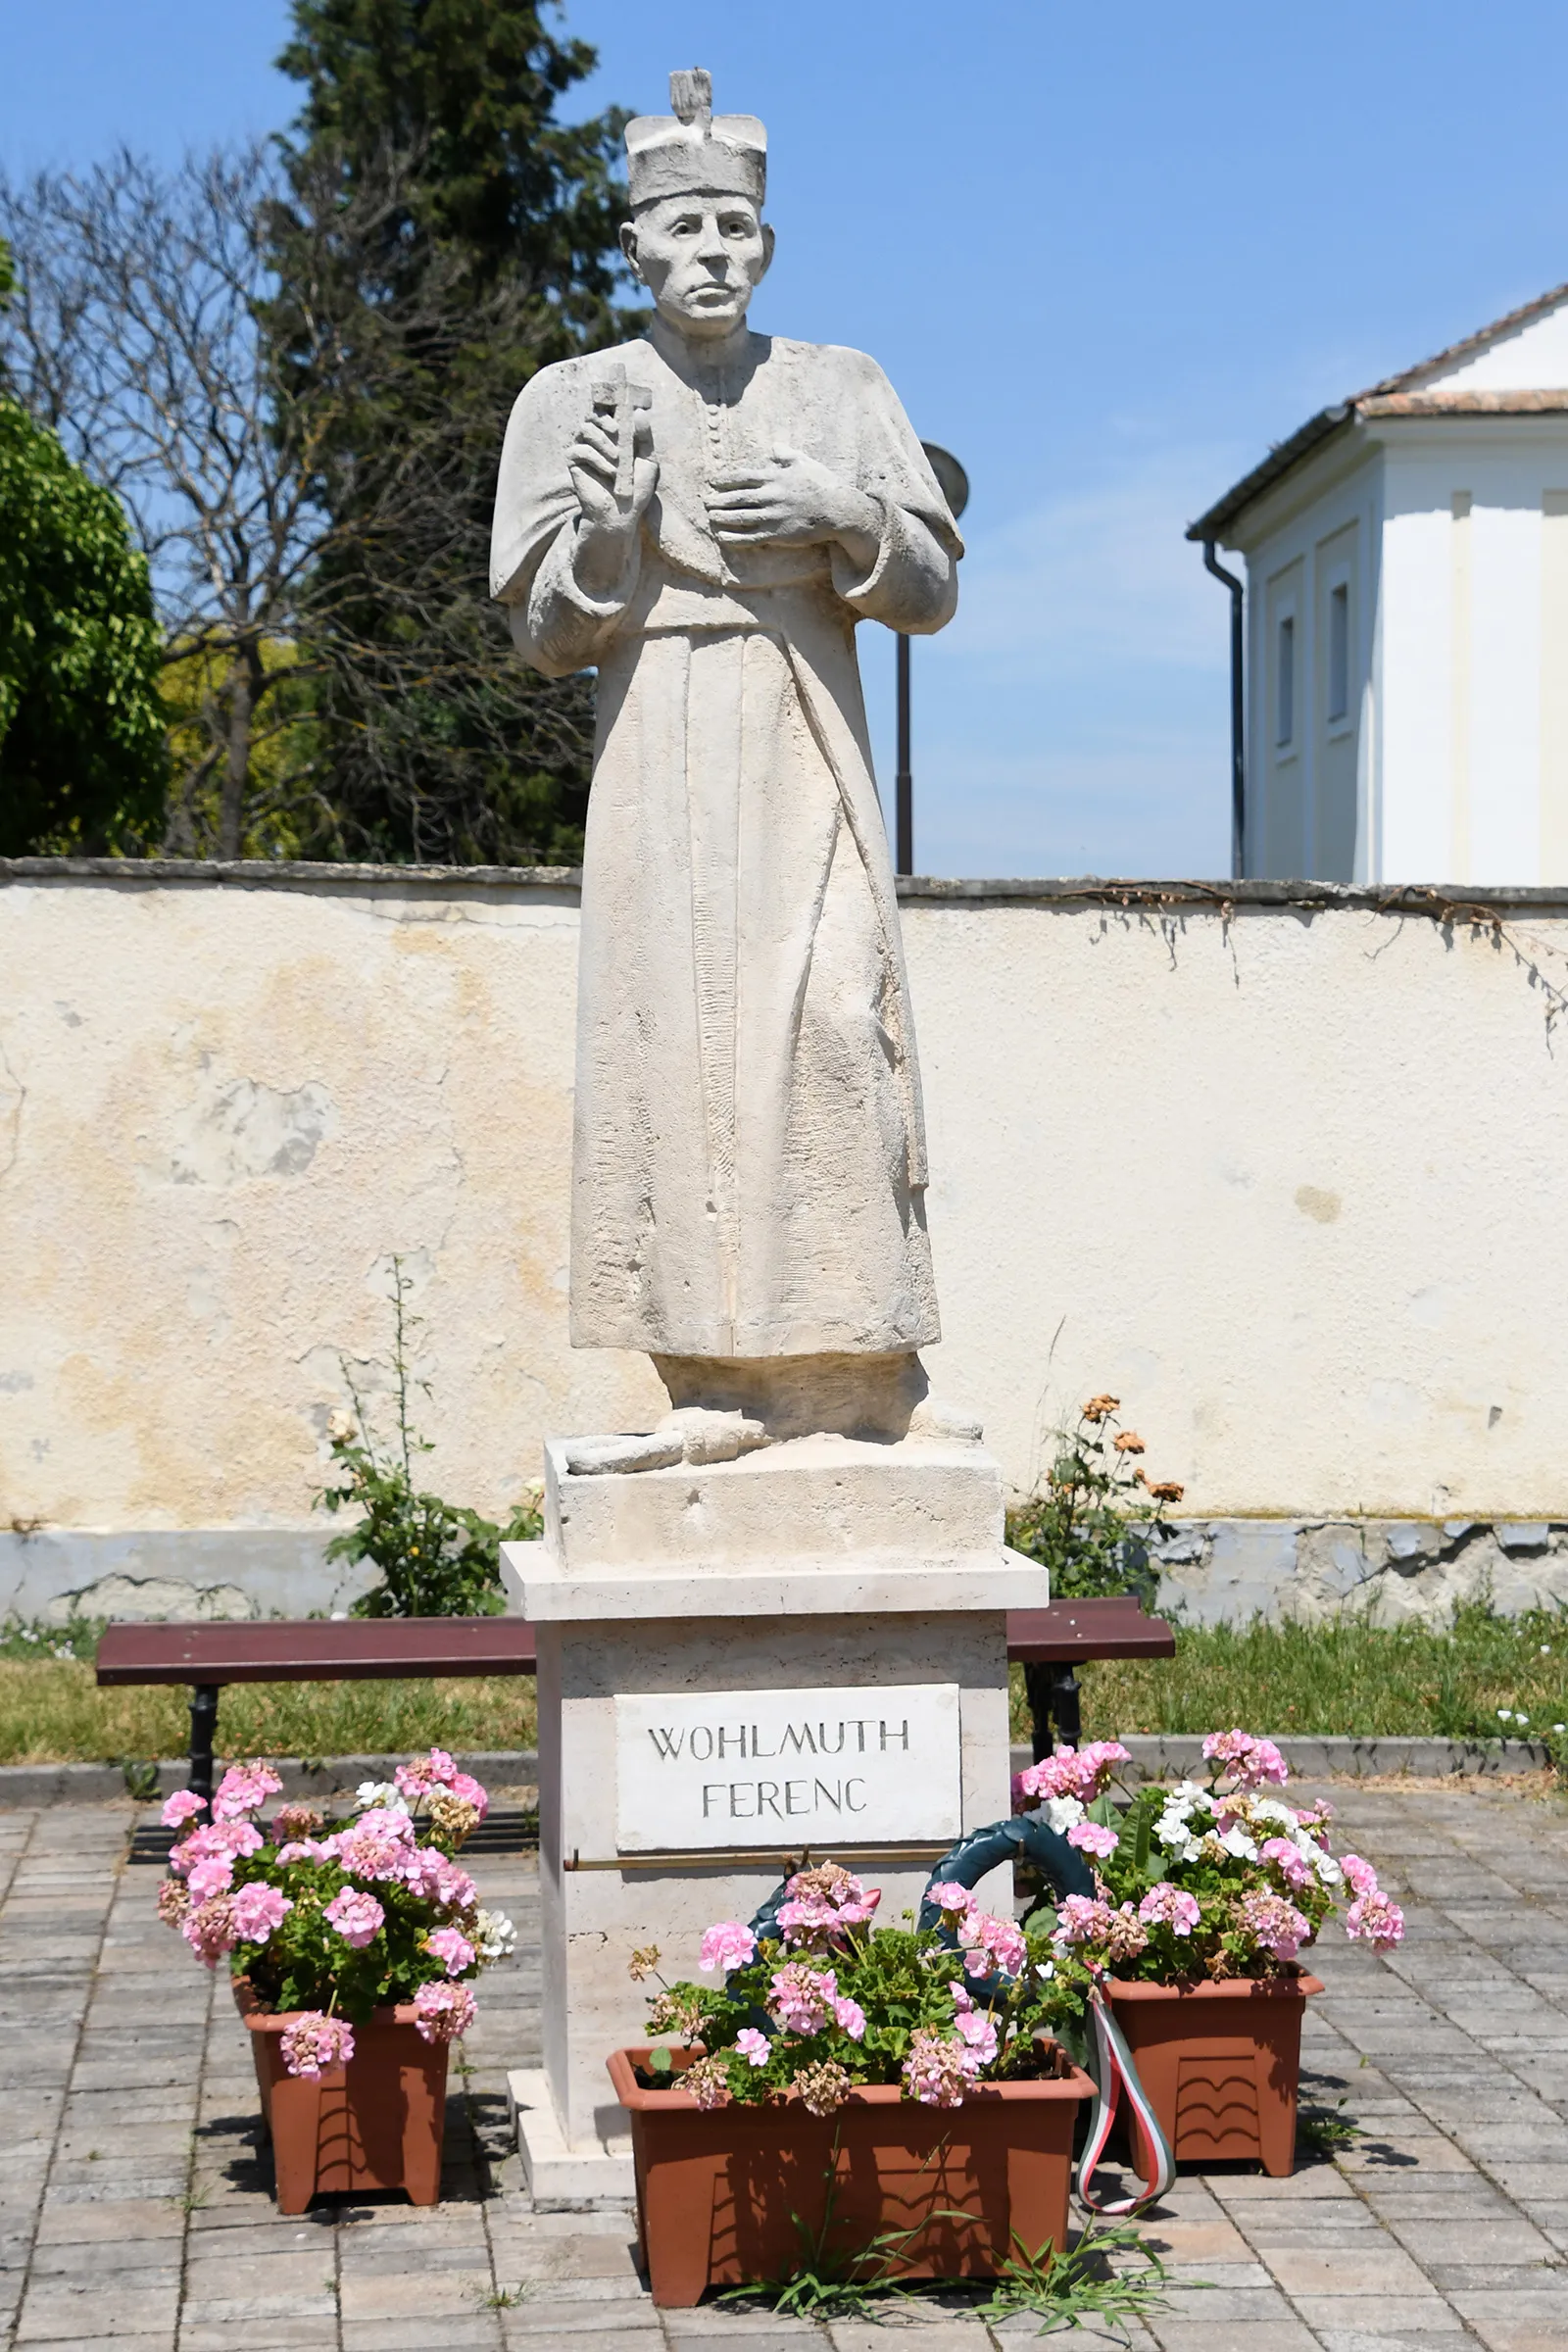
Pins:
x,y
1209,1879
335,1920
829,2001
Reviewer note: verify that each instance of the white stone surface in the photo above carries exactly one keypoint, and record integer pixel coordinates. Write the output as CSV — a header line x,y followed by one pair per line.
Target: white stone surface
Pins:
x,y
827,1501
732,1768
558,2178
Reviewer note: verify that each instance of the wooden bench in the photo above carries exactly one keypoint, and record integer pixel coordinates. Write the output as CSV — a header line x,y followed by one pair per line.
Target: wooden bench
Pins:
x,y
1049,1642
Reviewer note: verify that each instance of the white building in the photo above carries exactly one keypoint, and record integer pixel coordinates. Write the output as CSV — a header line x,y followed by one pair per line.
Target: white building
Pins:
x,y
1406,623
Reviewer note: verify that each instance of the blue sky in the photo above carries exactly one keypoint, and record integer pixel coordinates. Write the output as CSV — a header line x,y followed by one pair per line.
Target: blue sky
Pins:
x,y
1105,256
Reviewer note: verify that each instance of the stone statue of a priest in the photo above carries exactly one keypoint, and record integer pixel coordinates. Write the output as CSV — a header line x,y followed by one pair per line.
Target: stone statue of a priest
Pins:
x,y
705,516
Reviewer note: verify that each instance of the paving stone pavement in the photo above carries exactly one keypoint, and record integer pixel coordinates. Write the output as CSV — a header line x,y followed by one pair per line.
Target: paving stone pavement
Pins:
x,y
138,2212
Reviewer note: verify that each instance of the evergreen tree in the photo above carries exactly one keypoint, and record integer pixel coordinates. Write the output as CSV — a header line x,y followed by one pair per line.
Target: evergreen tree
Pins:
x,y
82,762
480,244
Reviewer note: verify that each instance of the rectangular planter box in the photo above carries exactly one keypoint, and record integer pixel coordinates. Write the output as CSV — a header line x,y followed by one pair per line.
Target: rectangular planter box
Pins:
x,y
1221,2062
376,2122
716,2190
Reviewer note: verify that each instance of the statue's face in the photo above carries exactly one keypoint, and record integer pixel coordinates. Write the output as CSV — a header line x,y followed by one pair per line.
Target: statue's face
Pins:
x,y
700,256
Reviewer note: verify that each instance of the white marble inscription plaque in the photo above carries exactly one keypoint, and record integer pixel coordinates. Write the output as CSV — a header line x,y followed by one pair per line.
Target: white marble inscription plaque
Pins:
x,y
787,1768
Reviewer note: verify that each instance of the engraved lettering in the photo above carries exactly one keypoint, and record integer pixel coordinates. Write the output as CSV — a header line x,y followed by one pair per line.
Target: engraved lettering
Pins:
x,y
738,1811
767,1795
699,1731
798,1736
850,1803
834,1796
739,1737
710,1788
669,1744
790,1806
837,1748
902,1736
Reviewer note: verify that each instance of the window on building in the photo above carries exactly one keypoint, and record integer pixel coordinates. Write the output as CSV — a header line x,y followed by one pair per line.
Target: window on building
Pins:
x,y
1285,685
1338,653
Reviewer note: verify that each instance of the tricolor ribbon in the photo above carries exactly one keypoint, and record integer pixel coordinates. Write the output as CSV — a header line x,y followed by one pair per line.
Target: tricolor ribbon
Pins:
x,y
1114,2075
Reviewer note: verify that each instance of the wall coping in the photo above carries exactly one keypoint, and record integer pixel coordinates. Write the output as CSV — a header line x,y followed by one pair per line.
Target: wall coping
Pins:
x,y
1451,903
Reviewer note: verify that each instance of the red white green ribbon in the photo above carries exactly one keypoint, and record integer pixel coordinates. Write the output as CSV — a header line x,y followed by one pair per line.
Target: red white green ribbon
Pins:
x,y
1115,2076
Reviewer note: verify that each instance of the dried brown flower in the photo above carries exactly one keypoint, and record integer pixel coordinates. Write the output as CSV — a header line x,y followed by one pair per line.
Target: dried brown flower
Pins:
x,y
708,2082
675,2013
453,1816
823,2087
643,1962
1099,1408
1167,1489
1129,1442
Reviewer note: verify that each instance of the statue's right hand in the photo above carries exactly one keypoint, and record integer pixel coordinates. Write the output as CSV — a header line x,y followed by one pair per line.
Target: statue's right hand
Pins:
x,y
610,521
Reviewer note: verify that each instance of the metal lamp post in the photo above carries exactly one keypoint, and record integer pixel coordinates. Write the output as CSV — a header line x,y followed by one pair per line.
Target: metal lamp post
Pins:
x,y
954,484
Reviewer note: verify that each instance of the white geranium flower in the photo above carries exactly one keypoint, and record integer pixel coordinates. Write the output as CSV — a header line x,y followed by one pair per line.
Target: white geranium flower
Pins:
x,y
495,1936
1269,1808
1063,1813
1235,1841
1329,1873
379,1795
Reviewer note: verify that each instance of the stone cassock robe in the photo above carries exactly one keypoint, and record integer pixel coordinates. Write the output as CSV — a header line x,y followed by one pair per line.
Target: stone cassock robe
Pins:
x,y
749,1153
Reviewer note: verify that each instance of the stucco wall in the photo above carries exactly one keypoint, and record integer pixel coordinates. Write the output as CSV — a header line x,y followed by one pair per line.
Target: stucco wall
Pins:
x,y
1290,1178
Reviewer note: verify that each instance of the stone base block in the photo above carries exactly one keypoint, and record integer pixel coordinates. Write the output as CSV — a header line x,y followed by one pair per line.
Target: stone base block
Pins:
x,y
826,1500
559,2178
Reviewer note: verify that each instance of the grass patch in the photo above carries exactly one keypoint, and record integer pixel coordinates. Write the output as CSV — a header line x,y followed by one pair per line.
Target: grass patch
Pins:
x,y
51,1712
1486,1678
1474,1681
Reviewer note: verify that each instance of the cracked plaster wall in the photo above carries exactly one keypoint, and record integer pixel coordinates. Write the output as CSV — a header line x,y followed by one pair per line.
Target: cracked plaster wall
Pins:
x,y
1292,1185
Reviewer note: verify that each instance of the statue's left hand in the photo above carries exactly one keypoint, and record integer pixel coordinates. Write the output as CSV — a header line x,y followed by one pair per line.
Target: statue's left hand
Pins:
x,y
791,501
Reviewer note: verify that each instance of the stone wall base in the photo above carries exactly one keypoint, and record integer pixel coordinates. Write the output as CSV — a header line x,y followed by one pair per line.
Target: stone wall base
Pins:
x,y
1211,1571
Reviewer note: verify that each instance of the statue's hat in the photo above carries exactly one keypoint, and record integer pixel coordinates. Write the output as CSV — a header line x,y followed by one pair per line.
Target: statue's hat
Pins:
x,y
694,151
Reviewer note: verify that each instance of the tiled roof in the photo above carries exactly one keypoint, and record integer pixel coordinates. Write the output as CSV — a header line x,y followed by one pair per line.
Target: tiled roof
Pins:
x,y
1399,395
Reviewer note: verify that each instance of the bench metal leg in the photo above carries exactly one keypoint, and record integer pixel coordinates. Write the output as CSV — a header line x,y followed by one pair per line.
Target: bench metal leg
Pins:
x,y
203,1731
1054,1703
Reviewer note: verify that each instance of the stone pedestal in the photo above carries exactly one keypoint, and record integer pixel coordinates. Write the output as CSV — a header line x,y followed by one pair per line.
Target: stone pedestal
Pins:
x,y
802,1649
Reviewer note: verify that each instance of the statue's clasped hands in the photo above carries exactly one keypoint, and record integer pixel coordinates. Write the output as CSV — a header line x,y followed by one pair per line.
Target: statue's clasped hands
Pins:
x,y
791,501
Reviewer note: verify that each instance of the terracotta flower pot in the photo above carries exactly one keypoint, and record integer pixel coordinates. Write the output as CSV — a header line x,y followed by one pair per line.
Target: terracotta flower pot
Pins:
x,y
376,2122
716,2190
1221,2062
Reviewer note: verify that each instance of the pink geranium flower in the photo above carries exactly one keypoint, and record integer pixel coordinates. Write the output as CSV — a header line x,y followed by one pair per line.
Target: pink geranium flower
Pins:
x,y
936,2070
183,1806
315,2044
951,1898
1251,1762
1289,1860
1093,1838
1168,1906
977,2034
802,1997
1276,1924
464,1785
258,1909
752,2046
1359,1876
727,1946
423,1773
989,1943
213,1875
245,1789
208,1929
357,1917
1089,1920
443,2011
233,1839
454,1951
851,2017
1377,1917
